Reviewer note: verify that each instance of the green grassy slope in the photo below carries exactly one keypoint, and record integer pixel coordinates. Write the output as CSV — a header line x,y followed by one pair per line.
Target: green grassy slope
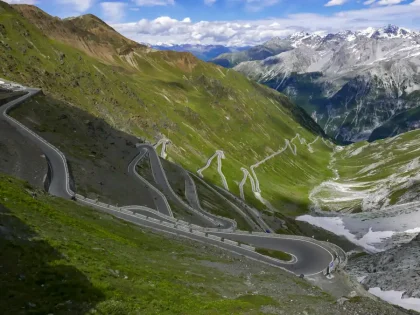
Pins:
x,y
56,251
200,107
374,175
60,258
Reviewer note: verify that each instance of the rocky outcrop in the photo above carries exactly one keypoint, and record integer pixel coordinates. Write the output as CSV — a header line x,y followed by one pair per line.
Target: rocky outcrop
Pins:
x,y
396,269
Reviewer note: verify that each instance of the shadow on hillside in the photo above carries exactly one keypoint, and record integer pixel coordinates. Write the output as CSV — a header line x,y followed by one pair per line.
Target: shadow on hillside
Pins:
x,y
97,153
33,276
7,96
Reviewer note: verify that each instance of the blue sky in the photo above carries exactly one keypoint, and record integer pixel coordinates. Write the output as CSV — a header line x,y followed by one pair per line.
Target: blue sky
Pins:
x,y
234,22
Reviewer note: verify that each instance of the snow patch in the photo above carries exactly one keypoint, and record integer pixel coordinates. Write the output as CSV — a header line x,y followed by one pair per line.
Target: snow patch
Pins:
x,y
370,241
413,231
396,298
336,226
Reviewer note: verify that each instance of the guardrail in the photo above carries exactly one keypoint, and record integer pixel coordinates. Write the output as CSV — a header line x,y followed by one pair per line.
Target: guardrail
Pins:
x,y
187,228
339,260
173,223
176,224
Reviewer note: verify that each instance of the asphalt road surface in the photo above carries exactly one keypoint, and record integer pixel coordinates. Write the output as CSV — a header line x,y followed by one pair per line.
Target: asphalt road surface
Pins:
x,y
59,185
160,178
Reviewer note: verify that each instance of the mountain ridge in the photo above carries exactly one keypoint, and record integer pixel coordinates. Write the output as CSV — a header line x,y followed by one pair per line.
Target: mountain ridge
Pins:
x,y
87,33
350,82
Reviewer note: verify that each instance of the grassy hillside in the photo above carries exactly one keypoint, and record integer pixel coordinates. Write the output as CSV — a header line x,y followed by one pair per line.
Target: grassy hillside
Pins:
x,y
200,107
61,258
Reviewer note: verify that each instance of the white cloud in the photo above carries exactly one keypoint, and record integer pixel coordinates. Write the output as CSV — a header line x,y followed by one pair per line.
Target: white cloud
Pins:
x,y
78,6
20,1
332,3
113,11
152,3
209,2
243,32
384,2
389,2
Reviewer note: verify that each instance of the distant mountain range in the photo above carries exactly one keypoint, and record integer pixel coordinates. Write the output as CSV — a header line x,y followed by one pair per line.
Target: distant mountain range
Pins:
x,y
356,85
204,52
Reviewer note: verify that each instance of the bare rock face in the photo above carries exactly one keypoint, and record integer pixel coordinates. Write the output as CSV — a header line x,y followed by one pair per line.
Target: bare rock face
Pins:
x,y
396,269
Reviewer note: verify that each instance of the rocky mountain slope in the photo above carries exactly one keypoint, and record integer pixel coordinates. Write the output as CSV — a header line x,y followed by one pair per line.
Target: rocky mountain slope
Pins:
x,y
203,52
396,269
201,108
350,82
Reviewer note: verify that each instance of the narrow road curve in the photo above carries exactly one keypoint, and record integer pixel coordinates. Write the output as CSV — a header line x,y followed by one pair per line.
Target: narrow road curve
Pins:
x,y
159,199
160,178
192,197
57,163
252,211
232,205
190,192
311,257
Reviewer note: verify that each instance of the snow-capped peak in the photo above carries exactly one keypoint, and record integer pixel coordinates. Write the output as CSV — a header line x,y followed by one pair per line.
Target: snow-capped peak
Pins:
x,y
298,35
389,31
307,39
368,32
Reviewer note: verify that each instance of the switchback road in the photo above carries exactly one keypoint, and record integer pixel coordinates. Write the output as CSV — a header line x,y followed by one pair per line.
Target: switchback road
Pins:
x,y
310,257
